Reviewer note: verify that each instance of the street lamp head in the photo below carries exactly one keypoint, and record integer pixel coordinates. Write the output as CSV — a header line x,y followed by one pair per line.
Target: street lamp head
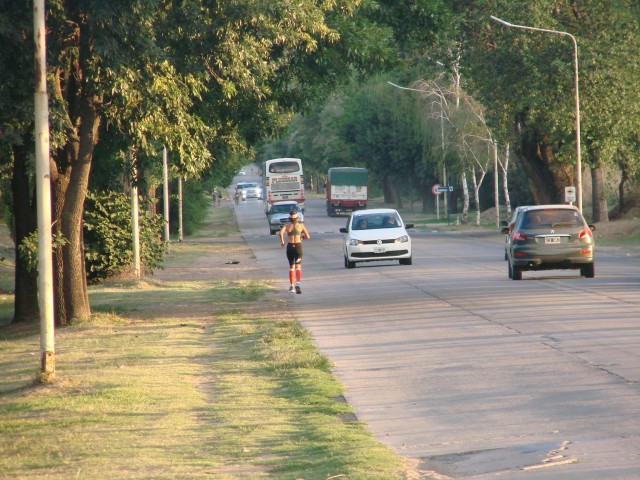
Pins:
x,y
575,63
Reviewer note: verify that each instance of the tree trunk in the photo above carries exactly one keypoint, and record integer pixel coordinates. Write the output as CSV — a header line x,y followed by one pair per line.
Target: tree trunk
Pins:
x,y
26,222
600,208
545,175
152,197
398,196
454,198
72,298
387,190
71,181
505,181
425,197
476,194
622,197
465,201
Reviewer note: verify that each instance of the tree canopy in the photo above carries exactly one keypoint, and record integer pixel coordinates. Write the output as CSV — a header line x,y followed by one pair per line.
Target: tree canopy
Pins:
x,y
205,79
523,84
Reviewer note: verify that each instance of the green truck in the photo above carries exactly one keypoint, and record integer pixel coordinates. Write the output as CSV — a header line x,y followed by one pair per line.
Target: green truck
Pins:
x,y
346,189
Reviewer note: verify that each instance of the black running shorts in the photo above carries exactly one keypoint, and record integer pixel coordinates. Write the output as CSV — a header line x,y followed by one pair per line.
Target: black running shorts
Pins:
x,y
294,253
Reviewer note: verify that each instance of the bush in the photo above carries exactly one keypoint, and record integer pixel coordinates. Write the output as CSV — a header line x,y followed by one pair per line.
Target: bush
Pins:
x,y
107,236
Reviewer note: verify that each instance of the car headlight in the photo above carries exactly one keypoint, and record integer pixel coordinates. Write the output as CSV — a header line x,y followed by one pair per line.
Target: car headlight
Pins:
x,y
402,239
354,242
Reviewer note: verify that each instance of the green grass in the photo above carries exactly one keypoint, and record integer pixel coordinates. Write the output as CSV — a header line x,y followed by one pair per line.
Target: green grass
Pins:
x,y
219,223
190,252
619,239
132,296
180,398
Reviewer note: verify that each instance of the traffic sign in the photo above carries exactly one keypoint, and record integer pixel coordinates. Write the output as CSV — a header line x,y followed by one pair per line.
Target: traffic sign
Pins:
x,y
435,188
569,194
438,189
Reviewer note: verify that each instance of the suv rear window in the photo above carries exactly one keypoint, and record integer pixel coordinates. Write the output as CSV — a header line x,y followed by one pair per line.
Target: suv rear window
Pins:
x,y
552,218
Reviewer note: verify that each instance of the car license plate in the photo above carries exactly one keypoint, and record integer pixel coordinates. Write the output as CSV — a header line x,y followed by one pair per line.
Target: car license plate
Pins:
x,y
285,196
548,240
379,249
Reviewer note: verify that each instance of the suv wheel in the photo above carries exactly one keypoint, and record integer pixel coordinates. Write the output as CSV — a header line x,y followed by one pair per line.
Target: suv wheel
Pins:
x,y
516,272
587,271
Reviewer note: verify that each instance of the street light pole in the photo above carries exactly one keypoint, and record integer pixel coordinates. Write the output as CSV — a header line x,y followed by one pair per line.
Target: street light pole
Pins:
x,y
43,195
575,71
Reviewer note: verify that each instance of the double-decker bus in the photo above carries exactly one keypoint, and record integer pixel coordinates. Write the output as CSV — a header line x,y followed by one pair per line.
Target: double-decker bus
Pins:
x,y
282,179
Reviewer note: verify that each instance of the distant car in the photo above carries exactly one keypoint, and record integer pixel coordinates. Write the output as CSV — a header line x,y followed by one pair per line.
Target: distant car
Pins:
x,y
249,190
512,221
374,235
550,237
278,215
242,172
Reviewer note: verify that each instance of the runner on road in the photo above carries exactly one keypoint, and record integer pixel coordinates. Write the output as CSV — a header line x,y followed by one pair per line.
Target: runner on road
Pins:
x,y
295,233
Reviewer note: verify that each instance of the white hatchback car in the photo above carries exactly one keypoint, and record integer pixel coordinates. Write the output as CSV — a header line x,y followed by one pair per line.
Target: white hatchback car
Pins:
x,y
374,235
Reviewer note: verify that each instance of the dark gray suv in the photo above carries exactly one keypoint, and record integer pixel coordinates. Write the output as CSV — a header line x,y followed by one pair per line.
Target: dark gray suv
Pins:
x,y
550,237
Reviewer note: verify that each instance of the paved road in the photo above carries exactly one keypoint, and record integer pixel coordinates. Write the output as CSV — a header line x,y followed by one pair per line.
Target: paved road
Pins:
x,y
477,375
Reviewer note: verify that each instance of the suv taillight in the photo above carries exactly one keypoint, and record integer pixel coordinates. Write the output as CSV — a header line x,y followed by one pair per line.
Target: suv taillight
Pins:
x,y
585,234
518,236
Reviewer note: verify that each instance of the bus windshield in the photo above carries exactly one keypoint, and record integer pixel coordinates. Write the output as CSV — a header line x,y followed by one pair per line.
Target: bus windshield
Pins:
x,y
284,167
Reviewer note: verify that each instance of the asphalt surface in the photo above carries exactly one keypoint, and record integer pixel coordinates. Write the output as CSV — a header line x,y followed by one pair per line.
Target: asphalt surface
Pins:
x,y
476,375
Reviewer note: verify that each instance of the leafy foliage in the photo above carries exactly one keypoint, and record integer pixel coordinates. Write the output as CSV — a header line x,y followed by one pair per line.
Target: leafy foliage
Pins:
x,y
28,249
205,79
195,204
107,236
516,71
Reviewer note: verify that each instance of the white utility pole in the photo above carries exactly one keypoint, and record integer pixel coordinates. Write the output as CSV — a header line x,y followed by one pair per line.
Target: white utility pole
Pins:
x,y
496,185
165,171
180,230
43,194
135,218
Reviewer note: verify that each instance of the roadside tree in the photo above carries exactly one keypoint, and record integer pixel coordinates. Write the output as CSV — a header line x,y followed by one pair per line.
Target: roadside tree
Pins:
x,y
200,78
528,78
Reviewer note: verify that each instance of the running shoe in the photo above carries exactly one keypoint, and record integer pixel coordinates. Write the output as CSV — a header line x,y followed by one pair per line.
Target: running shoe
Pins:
x,y
291,289
298,290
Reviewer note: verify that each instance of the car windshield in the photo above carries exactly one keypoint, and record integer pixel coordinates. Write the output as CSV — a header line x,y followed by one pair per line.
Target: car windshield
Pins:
x,y
552,218
375,221
283,208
